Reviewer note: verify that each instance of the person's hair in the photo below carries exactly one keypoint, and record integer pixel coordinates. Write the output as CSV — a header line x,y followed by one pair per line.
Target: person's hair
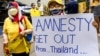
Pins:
x,y
32,4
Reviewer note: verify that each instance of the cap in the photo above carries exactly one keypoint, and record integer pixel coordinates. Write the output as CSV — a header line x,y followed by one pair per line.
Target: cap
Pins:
x,y
55,1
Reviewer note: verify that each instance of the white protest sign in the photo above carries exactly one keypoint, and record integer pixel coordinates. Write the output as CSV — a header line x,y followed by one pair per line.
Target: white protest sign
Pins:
x,y
67,35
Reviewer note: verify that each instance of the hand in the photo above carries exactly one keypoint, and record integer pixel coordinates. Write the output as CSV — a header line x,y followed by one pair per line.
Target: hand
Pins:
x,y
22,33
94,23
5,48
5,42
98,34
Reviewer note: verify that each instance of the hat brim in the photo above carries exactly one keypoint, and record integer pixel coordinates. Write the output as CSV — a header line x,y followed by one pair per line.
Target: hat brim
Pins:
x,y
53,1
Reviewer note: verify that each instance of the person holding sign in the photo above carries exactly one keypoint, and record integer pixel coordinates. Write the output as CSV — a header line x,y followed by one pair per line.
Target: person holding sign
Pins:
x,y
15,27
55,7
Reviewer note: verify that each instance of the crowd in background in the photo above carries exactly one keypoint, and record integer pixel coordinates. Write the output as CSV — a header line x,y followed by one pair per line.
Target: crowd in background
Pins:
x,y
70,7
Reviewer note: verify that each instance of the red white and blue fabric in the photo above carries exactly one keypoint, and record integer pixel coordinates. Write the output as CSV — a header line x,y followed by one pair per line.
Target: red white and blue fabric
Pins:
x,y
18,17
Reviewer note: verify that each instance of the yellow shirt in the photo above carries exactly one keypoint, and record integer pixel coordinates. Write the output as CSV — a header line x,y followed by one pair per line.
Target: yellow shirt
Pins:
x,y
16,43
82,7
94,3
34,12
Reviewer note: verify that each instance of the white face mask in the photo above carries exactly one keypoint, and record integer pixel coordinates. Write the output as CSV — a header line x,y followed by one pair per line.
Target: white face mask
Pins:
x,y
13,11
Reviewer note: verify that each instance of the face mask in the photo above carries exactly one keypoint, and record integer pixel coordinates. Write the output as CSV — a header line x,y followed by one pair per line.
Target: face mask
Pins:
x,y
13,11
54,11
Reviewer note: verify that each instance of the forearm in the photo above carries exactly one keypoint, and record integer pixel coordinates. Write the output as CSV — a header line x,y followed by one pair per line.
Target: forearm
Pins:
x,y
5,38
28,31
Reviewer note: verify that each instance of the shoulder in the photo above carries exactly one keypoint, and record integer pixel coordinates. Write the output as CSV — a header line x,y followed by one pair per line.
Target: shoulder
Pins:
x,y
7,19
31,9
24,18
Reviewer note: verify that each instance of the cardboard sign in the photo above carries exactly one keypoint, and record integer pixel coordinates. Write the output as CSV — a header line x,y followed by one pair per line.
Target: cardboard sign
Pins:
x,y
67,35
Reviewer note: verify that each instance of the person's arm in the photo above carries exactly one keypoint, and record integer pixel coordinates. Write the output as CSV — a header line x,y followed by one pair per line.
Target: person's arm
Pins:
x,y
5,39
95,24
28,27
28,31
5,44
